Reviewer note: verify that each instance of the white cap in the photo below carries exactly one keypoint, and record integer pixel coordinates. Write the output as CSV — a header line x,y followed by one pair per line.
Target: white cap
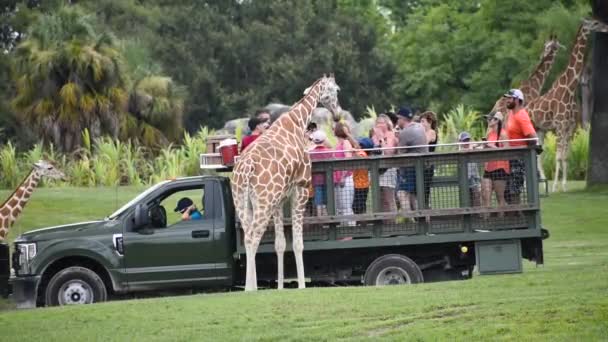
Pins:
x,y
515,93
318,136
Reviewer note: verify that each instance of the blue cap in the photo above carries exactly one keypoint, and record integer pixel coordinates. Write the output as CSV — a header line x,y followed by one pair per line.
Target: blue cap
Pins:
x,y
366,143
405,112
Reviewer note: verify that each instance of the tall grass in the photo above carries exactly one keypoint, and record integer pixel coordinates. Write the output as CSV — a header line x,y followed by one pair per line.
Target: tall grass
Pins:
x,y
108,162
9,167
460,119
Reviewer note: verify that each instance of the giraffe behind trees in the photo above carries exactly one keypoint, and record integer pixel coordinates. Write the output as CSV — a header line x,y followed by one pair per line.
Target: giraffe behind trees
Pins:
x,y
14,204
277,168
557,109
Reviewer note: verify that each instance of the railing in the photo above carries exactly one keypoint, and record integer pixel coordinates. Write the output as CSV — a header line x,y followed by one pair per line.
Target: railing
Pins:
x,y
446,187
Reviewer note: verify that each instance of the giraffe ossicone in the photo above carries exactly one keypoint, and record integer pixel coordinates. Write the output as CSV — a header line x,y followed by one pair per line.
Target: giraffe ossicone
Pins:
x,y
274,169
14,204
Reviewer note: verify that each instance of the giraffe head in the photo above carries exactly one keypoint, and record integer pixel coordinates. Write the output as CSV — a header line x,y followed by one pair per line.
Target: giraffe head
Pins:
x,y
594,25
551,46
46,169
328,95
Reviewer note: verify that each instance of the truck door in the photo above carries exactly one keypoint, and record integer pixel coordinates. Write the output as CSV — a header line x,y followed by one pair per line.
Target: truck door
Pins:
x,y
172,251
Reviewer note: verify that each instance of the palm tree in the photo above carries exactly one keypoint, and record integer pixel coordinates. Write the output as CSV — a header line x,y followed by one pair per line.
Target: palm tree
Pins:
x,y
69,78
156,105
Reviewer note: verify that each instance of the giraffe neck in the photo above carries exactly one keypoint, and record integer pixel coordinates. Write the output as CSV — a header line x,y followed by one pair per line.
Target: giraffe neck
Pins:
x,y
13,206
301,112
533,85
570,77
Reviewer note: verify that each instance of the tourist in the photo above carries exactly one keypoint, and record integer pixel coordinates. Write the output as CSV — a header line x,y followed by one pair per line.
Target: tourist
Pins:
x,y
361,179
413,135
496,172
474,180
320,152
257,127
384,138
343,179
518,126
428,120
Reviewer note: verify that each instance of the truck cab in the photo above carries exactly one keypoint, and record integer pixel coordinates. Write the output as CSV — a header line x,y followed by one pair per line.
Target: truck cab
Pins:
x,y
144,245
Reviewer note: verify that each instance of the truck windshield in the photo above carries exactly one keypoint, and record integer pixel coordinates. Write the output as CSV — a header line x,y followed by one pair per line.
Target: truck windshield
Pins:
x,y
135,200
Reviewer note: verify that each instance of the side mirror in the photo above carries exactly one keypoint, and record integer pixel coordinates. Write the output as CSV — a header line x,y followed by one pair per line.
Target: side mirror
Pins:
x,y
142,217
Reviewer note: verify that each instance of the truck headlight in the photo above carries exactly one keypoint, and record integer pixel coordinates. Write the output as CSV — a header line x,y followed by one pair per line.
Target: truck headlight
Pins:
x,y
27,251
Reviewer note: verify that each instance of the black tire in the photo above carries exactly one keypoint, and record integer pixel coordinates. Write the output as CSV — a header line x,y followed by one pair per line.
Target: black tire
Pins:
x,y
75,285
392,269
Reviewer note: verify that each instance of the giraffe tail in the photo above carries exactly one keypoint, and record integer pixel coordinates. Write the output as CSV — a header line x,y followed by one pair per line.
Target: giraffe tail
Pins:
x,y
247,204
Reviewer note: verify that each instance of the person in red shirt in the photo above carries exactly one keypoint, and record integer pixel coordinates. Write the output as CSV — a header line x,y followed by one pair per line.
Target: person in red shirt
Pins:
x,y
519,126
496,172
257,127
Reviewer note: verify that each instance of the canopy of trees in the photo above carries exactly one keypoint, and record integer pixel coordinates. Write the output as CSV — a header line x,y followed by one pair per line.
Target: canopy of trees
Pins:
x,y
145,69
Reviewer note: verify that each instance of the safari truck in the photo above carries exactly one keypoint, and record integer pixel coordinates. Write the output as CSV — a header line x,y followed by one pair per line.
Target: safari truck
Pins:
x,y
146,246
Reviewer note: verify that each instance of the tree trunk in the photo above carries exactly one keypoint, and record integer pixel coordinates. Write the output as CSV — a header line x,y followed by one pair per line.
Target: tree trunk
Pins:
x,y
586,95
598,153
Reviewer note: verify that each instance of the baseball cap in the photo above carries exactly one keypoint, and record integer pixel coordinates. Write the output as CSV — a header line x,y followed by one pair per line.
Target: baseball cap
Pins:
x,y
318,137
405,112
463,136
182,204
515,93
366,143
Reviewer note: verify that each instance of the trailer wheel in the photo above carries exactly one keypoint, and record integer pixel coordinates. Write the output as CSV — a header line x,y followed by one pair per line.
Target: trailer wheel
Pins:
x,y
392,269
75,285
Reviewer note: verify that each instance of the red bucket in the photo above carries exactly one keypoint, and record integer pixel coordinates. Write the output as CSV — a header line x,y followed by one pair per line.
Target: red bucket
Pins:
x,y
229,149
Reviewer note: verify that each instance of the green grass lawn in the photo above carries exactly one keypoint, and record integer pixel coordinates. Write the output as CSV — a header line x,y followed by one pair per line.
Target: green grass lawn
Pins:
x,y
566,299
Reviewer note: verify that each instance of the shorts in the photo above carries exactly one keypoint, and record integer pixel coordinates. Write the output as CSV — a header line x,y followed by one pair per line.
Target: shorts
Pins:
x,y
496,175
406,179
518,174
320,195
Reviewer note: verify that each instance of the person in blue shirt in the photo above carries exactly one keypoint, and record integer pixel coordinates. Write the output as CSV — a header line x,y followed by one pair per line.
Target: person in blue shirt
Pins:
x,y
186,207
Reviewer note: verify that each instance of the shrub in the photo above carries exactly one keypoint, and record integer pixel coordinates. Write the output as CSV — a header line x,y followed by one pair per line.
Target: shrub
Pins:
x,y
9,166
578,155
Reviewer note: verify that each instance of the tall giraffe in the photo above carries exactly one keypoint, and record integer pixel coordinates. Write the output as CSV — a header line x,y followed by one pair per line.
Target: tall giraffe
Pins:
x,y
557,109
277,168
532,86
14,204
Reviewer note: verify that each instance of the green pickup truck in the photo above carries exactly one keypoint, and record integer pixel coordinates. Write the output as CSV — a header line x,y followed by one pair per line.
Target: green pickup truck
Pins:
x,y
146,246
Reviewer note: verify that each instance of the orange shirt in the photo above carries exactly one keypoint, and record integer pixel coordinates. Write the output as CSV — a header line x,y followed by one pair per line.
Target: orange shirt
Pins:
x,y
360,176
519,126
496,164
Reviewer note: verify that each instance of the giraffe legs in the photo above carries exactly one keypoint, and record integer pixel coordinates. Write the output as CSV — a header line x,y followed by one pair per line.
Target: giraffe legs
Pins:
x,y
558,159
252,242
279,245
539,159
297,217
561,159
564,165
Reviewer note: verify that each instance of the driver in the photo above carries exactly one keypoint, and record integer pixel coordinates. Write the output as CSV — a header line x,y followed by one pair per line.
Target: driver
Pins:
x,y
186,207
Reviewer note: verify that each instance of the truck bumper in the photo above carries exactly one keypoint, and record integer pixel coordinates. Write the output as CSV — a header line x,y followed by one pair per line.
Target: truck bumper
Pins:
x,y
25,291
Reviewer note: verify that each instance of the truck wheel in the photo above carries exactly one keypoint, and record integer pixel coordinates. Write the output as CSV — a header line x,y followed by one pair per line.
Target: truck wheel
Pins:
x,y
393,269
75,285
